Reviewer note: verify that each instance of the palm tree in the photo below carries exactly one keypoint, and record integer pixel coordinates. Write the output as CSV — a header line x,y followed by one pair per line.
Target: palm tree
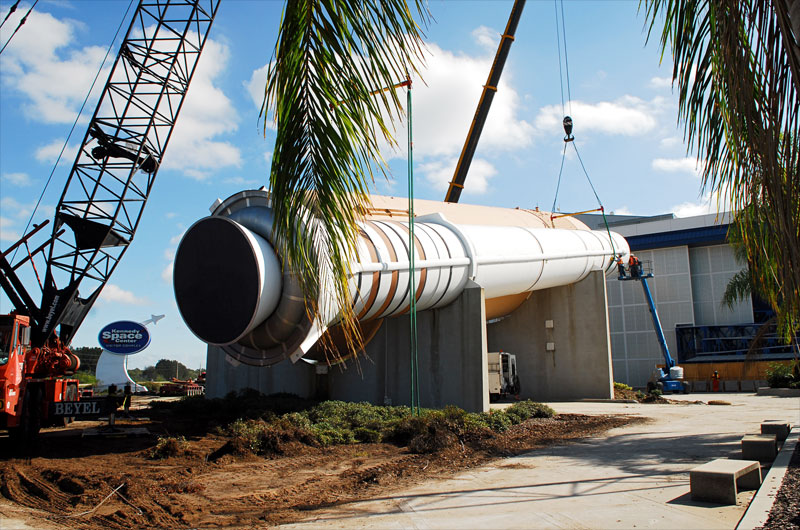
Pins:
x,y
736,65
331,56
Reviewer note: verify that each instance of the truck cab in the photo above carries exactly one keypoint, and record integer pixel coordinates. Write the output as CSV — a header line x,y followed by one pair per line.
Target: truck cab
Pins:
x,y
14,345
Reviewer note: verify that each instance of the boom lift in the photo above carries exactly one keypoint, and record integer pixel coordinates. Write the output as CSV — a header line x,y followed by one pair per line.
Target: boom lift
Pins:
x,y
669,378
98,213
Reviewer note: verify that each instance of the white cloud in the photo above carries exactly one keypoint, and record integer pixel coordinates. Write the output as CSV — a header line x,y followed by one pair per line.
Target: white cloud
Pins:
x,y
439,173
114,294
627,116
486,37
444,105
17,179
166,274
622,211
8,230
207,113
670,142
53,79
678,165
241,181
49,153
661,82
707,204
12,206
255,86
268,158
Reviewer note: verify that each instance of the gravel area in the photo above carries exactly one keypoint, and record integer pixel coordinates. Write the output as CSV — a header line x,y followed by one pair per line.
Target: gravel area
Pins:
x,y
785,513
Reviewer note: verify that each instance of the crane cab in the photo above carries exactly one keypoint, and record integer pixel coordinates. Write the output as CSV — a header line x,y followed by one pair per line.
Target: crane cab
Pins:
x,y
15,340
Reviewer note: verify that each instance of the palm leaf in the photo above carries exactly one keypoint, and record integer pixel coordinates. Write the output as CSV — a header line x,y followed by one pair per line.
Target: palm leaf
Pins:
x,y
330,56
736,67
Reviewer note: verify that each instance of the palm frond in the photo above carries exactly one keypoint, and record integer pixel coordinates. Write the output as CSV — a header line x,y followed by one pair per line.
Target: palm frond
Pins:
x,y
330,56
735,65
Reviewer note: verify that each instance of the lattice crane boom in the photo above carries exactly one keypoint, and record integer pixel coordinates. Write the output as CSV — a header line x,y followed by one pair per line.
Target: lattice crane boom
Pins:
x,y
113,174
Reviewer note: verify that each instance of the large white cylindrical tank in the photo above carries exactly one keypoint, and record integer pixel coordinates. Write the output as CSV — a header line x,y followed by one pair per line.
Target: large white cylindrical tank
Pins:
x,y
231,293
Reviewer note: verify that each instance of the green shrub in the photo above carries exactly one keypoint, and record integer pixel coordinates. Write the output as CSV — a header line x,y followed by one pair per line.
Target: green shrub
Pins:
x,y
780,375
167,446
367,435
525,410
496,420
622,386
330,434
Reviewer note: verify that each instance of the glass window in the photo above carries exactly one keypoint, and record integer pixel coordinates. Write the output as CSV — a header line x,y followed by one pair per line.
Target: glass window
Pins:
x,y
5,343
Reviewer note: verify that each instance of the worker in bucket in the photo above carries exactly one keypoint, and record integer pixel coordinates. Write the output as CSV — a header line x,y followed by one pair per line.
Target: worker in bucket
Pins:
x,y
621,267
635,266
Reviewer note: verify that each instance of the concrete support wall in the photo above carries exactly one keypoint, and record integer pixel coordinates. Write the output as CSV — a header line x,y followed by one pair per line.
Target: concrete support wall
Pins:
x,y
451,357
579,366
227,375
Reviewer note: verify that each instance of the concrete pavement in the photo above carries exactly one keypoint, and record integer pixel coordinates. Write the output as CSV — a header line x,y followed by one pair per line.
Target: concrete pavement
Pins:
x,y
632,477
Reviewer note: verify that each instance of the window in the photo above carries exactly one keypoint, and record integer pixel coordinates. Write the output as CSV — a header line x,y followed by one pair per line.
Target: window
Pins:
x,y
6,334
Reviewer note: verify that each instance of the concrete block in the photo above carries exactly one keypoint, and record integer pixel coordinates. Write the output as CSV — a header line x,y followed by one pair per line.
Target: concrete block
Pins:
x,y
761,447
731,386
580,365
779,428
719,480
699,386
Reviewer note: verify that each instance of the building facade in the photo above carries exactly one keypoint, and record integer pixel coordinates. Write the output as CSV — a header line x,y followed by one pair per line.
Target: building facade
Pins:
x,y
692,265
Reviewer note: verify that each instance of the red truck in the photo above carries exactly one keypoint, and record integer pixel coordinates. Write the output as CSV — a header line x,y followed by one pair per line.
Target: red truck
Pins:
x,y
32,379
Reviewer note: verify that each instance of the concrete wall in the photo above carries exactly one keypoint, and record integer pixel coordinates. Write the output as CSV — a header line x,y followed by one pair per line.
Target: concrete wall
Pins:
x,y
451,358
224,375
579,366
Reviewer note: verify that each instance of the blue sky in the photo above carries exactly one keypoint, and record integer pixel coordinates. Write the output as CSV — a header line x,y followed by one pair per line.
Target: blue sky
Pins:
x,y
622,105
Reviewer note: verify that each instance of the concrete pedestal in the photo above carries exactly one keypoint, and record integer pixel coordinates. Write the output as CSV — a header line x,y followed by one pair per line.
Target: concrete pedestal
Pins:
x,y
451,358
561,339
559,335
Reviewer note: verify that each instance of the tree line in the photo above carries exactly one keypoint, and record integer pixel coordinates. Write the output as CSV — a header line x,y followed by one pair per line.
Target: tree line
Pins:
x,y
164,370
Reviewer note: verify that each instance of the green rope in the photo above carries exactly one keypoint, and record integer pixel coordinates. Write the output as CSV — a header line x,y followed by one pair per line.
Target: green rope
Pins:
x,y
412,291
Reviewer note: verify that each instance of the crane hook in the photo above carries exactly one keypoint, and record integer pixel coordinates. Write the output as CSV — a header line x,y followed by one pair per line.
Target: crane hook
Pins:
x,y
568,129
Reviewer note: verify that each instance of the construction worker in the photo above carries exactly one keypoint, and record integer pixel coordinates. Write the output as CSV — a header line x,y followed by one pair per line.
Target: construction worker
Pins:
x,y
621,267
126,401
715,381
635,266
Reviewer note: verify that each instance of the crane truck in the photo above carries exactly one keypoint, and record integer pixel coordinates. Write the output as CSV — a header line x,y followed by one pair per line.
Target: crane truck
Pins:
x,y
97,216
669,378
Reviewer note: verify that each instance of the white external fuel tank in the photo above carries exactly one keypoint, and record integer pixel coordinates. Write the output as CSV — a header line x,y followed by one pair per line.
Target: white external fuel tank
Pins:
x,y
231,292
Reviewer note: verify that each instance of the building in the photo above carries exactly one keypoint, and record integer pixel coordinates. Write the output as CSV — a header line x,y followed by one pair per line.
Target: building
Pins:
x,y
692,265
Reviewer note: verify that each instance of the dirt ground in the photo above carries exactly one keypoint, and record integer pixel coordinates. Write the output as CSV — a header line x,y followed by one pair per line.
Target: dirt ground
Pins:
x,y
104,482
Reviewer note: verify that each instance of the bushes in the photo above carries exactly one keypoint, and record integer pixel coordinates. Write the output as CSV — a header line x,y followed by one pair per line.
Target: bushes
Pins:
x,y
263,425
167,446
622,386
784,375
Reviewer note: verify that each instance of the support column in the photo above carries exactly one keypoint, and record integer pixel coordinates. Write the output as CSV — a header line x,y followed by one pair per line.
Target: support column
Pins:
x,y
451,353
562,342
224,374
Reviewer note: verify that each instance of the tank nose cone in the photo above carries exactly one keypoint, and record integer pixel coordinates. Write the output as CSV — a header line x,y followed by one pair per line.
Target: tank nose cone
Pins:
x,y
227,280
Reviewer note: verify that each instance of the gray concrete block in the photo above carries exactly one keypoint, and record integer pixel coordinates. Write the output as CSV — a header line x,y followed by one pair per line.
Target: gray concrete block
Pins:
x,y
731,386
699,386
719,480
761,447
779,428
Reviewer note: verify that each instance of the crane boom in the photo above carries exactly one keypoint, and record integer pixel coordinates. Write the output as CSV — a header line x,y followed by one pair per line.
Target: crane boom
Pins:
x,y
485,103
113,173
